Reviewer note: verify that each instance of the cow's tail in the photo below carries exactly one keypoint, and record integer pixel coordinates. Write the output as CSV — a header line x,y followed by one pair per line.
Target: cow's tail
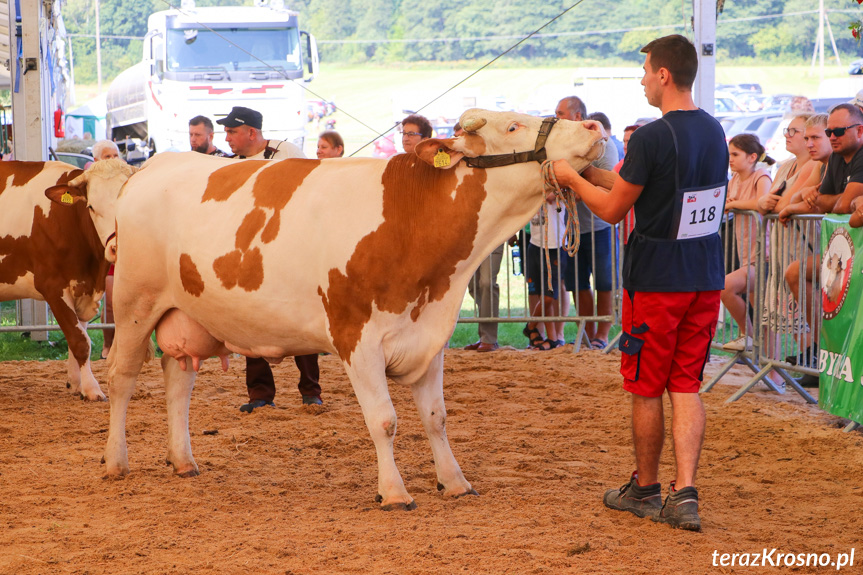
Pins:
x,y
149,354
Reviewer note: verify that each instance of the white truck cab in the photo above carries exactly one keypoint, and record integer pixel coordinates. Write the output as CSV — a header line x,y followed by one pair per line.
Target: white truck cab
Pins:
x,y
204,61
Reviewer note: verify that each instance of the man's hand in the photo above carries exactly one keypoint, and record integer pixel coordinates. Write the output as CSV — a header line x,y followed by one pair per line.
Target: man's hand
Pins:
x,y
566,176
810,197
856,220
791,210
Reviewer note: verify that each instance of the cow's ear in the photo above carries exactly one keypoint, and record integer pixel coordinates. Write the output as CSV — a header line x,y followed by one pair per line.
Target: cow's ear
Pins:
x,y
66,195
438,153
595,126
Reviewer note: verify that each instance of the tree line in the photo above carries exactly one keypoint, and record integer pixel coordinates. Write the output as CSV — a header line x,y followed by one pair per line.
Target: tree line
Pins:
x,y
388,31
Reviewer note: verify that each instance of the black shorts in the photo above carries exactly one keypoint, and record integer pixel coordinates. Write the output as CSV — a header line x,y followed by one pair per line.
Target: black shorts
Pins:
x,y
537,271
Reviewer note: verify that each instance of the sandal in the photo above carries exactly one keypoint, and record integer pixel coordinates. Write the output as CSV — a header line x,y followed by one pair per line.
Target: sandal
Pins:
x,y
598,344
550,344
533,335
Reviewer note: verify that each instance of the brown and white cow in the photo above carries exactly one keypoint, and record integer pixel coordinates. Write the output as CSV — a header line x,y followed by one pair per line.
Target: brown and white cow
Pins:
x,y
54,251
365,258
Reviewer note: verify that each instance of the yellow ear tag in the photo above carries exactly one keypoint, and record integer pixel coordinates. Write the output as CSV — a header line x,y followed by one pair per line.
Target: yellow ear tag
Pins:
x,y
441,159
66,198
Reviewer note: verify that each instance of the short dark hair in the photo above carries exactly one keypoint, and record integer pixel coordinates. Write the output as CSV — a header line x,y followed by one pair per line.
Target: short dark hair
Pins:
x,y
334,139
420,122
676,54
198,120
602,119
853,111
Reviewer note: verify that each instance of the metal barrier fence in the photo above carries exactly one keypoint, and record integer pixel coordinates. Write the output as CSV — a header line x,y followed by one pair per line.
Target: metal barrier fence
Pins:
x,y
510,301
779,293
772,298
776,300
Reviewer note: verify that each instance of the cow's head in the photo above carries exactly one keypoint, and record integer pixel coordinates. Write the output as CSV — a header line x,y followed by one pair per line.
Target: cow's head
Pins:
x,y
490,133
99,187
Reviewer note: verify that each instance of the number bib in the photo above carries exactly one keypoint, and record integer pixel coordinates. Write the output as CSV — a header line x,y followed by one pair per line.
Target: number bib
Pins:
x,y
700,211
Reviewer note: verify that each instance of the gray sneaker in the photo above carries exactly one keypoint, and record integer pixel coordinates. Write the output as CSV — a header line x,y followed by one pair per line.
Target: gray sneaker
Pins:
x,y
643,501
681,509
255,404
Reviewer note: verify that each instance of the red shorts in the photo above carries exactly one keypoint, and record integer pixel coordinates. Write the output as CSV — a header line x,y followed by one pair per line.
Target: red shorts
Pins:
x,y
666,338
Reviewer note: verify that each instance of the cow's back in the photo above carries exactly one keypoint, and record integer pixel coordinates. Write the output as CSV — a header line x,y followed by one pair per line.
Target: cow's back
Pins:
x,y
36,234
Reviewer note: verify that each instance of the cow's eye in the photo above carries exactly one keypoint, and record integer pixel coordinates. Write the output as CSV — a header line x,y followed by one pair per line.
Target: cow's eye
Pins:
x,y
512,127
89,207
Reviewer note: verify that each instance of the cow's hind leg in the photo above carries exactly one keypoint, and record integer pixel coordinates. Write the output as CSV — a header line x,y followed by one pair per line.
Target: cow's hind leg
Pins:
x,y
367,374
428,395
178,393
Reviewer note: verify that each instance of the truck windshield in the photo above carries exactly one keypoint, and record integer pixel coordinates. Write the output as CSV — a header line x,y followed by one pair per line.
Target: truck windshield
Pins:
x,y
236,49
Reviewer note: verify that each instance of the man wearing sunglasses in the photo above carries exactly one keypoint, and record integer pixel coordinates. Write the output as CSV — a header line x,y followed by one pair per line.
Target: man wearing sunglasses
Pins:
x,y
844,178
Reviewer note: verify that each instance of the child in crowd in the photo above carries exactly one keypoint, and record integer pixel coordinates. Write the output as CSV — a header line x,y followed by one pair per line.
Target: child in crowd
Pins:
x,y
747,185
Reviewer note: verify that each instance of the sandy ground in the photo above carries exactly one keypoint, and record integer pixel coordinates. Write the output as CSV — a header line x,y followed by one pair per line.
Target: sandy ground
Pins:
x,y
289,490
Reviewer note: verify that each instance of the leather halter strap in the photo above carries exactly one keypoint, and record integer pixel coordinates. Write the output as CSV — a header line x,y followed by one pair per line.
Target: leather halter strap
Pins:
x,y
538,154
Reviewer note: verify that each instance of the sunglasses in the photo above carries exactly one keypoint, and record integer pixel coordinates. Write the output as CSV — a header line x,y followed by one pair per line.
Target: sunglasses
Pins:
x,y
838,132
791,132
411,134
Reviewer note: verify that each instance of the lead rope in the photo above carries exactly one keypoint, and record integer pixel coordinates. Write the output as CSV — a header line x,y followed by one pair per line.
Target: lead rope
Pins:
x,y
572,240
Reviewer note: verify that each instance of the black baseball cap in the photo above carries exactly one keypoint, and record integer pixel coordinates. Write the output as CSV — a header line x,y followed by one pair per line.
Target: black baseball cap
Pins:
x,y
241,116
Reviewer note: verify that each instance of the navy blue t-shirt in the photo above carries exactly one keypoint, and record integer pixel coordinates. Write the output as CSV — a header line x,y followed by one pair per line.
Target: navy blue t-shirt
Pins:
x,y
654,260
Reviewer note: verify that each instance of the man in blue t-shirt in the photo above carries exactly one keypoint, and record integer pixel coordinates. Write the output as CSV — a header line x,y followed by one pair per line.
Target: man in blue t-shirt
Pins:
x,y
674,174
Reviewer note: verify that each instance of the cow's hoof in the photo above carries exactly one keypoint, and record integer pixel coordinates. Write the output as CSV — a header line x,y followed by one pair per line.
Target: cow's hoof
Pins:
x,y
115,476
471,492
399,506
190,473
97,397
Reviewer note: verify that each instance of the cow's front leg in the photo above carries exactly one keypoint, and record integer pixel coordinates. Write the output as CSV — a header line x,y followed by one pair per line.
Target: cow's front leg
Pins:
x,y
178,393
367,374
81,379
428,395
131,348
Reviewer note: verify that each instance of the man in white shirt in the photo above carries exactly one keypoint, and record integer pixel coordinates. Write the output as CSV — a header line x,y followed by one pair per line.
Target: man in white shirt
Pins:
x,y
243,134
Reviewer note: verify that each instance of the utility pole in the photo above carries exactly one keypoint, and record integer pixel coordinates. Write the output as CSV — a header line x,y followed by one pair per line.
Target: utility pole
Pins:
x,y
818,51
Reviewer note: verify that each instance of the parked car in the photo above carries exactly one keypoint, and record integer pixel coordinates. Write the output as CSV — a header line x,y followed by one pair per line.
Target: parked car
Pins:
x,y
824,105
726,104
384,147
751,123
77,160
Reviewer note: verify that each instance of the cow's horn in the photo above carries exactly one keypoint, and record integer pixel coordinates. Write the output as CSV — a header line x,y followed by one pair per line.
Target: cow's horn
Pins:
x,y
80,180
473,124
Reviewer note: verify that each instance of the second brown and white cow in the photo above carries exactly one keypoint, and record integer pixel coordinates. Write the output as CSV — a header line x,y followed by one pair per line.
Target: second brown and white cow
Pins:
x,y
55,250
368,259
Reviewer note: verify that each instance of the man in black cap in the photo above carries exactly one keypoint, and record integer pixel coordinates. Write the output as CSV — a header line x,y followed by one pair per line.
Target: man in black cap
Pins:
x,y
243,134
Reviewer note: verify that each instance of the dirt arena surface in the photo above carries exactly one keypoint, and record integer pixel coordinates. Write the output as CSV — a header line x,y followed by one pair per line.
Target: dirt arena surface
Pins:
x,y
290,489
